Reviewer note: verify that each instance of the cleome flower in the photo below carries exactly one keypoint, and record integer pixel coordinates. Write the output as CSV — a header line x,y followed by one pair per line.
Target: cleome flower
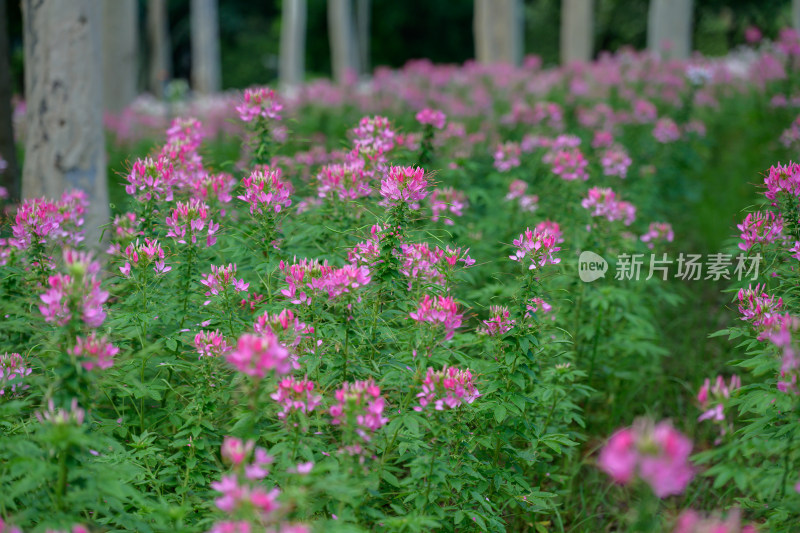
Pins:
x,y
447,388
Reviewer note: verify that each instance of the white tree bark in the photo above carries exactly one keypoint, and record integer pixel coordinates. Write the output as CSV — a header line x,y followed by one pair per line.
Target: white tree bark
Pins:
x,y
796,15
577,30
120,52
160,63
64,145
206,61
363,24
344,55
498,26
291,69
669,27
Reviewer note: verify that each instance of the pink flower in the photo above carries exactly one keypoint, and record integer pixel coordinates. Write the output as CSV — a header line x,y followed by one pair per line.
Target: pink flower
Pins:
x,y
666,131
782,179
40,221
449,200
615,162
295,395
552,228
761,228
256,355
404,185
302,468
211,344
265,190
231,527
373,138
691,521
221,279
535,305
603,139
235,451
94,352
13,370
76,293
447,388
516,189
758,307
658,454
498,322
439,311
184,137
536,246
349,181
191,218
434,117
603,203
143,255
360,407
506,156
658,231
151,180
259,102
569,164
62,417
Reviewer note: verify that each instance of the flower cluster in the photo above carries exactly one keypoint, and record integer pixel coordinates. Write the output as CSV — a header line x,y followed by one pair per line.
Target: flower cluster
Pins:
x,y
666,131
603,202
77,294
434,117
691,521
656,453
220,278
191,217
447,199
404,185
439,311
295,395
569,164
712,398
265,190
184,137
535,305
285,325
43,222
782,179
359,407
781,335
211,344
93,352
348,181
759,228
256,355
506,156
658,231
758,307
214,186
143,255
498,322
527,202
13,370
307,277
151,180
62,417
615,162
259,102
373,138
447,388
536,246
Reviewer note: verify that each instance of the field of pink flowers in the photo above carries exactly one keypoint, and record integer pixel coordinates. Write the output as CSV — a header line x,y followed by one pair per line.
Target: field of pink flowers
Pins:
x,y
362,309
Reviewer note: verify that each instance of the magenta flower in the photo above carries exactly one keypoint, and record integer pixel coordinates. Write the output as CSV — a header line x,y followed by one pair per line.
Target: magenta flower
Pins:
x,y
62,417
211,344
447,388
516,189
780,332
644,111
569,164
188,220
506,156
40,221
759,228
691,521
234,451
404,184
434,117
603,202
286,326
658,454
257,355
208,187
758,307
374,137
75,294
536,305
13,370
712,398
265,190
782,179
615,162
447,200
237,496
439,311
666,131
295,396
499,321
360,407
220,279
94,352
143,255
536,246
259,102
658,231
309,277
345,181
151,180
184,137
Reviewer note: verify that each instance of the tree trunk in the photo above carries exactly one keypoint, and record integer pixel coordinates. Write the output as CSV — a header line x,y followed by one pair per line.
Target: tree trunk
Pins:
x,y
498,26
206,61
344,56
293,43
160,51
577,30
120,52
9,178
796,15
363,24
64,145
669,28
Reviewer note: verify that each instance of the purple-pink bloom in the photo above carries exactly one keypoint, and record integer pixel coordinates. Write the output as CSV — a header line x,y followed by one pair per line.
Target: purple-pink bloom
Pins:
x,y
447,388
295,395
93,352
759,228
257,355
434,117
536,246
259,102
404,185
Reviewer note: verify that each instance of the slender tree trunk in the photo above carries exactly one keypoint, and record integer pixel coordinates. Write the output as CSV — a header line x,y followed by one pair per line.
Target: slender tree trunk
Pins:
x,y
344,56
160,51
498,26
293,43
577,30
796,15
9,178
363,23
206,61
669,27
120,52
64,145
